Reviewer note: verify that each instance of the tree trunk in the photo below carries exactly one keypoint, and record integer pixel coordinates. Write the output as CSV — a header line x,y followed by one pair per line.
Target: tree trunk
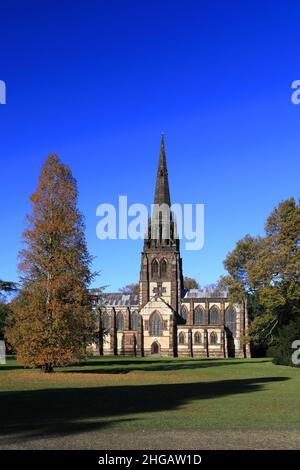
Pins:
x,y
47,368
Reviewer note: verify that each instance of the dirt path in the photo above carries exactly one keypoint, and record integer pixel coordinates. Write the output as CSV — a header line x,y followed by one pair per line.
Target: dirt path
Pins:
x,y
144,440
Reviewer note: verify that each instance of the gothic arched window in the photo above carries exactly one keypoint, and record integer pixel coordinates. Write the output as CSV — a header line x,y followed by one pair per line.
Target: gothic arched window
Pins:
x,y
199,315
214,315
181,338
197,337
154,268
213,338
184,313
230,319
155,324
105,321
163,268
120,321
134,321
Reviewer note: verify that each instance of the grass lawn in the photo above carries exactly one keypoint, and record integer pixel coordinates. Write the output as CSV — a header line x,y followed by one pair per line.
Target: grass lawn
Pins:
x,y
163,394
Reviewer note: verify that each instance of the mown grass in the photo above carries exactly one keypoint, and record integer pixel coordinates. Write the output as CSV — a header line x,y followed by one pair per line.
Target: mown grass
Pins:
x,y
140,394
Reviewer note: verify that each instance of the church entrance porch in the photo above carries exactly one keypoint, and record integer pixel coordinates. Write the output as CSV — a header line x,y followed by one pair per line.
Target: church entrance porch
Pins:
x,y
155,348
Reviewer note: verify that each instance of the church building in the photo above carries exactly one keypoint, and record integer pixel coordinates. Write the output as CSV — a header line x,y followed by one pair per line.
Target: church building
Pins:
x,y
165,319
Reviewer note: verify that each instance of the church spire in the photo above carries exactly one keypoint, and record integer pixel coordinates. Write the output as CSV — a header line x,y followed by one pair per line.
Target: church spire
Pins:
x,y
162,192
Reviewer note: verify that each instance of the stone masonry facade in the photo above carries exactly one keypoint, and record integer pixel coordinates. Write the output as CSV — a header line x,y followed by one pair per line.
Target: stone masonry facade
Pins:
x,y
163,319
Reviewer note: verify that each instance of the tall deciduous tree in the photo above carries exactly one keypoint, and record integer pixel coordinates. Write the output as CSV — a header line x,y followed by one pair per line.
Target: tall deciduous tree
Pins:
x,y
52,320
190,283
266,270
130,289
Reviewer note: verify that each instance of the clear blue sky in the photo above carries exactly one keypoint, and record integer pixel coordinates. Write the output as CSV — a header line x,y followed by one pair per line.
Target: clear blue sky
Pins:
x,y
98,81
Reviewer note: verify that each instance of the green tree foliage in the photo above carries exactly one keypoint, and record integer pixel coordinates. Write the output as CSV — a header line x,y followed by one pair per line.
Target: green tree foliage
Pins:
x,y
281,350
265,271
190,283
6,288
52,320
130,289
5,313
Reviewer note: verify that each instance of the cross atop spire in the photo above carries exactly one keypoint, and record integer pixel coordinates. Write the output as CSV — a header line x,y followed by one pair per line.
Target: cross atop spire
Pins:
x,y
162,192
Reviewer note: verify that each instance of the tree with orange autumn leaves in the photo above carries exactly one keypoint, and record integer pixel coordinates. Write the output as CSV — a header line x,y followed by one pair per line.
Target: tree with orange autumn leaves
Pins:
x,y
52,320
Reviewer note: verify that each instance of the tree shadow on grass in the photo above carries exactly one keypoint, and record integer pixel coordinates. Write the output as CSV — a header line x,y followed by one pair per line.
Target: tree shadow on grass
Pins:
x,y
65,411
119,360
116,367
10,364
96,365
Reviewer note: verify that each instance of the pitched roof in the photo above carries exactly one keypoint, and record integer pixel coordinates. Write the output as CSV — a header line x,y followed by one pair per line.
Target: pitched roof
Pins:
x,y
206,292
115,299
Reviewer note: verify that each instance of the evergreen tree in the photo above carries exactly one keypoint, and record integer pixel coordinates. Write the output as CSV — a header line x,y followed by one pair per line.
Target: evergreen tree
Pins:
x,y
52,319
7,287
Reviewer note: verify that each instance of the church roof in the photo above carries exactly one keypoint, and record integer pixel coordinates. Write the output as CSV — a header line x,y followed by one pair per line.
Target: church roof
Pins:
x,y
206,292
116,299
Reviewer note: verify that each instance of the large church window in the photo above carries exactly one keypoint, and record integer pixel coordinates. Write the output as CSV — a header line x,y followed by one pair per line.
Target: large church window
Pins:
x,y
213,338
184,313
134,321
181,338
120,322
230,320
105,321
155,324
154,268
199,315
197,337
214,315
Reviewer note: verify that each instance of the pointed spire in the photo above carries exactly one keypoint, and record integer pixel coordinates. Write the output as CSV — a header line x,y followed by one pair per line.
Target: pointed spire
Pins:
x,y
162,192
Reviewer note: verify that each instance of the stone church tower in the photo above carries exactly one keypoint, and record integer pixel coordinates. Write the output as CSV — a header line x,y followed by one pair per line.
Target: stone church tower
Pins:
x,y
164,318
161,265
161,280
